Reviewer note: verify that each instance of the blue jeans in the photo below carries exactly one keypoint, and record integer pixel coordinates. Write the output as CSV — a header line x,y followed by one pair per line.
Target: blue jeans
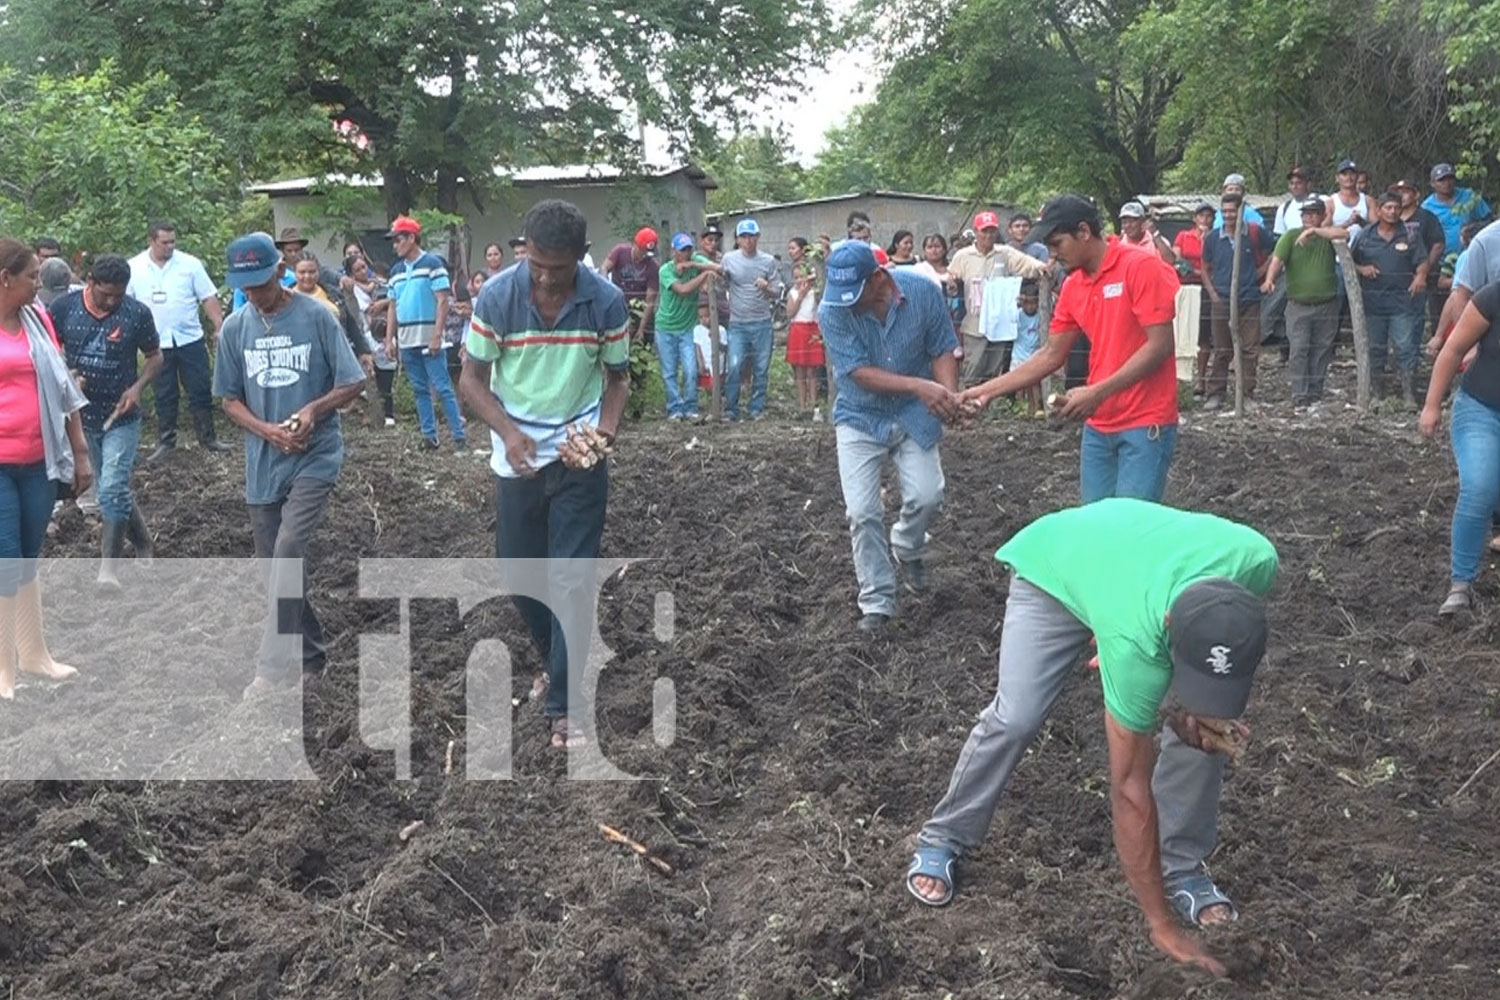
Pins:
x,y
190,361
556,514
678,354
26,498
1401,331
1131,463
429,373
752,340
1476,448
112,454
862,459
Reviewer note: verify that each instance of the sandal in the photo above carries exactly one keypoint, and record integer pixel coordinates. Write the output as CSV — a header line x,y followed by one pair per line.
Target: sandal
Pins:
x,y
565,735
1192,893
933,862
1459,599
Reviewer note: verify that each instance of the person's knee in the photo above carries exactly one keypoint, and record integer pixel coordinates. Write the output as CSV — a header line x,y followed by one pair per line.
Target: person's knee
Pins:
x,y
1013,722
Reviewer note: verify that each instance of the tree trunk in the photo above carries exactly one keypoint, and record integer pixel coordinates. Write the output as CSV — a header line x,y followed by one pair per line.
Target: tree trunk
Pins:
x,y
396,191
1234,322
1362,372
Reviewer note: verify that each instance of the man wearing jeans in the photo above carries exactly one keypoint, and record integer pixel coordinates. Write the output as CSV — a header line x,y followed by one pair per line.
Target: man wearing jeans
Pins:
x,y
681,279
754,282
890,340
285,368
549,349
1175,601
1124,302
174,285
419,297
102,330
1392,266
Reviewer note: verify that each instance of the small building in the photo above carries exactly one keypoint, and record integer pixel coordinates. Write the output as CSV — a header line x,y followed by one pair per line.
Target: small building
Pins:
x,y
888,211
668,198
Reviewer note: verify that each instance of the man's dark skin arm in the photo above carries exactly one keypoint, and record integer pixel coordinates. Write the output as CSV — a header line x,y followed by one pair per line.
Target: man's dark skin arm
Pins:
x,y
520,448
131,398
1132,759
1160,345
939,393
281,437
1052,356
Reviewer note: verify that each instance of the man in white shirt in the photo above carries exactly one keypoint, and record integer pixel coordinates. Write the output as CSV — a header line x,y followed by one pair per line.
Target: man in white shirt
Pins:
x,y
968,272
173,285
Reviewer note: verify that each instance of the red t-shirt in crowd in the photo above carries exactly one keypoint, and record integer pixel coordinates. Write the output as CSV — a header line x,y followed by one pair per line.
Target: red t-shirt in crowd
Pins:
x,y
1113,307
1190,245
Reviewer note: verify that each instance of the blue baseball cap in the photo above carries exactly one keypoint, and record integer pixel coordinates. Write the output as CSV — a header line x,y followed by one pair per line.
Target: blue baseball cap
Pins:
x,y
252,260
850,264
682,241
747,227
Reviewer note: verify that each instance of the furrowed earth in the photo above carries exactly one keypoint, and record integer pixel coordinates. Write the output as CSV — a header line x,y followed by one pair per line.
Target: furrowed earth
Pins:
x,y
804,757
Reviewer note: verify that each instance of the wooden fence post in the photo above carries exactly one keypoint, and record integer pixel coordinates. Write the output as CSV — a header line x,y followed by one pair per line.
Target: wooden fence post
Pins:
x,y
1234,318
716,350
1362,372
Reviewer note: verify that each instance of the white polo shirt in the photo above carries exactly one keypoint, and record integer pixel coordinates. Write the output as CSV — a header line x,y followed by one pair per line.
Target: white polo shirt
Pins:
x,y
172,292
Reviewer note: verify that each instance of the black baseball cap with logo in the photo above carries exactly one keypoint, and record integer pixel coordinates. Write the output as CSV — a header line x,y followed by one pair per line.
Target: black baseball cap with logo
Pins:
x,y
1066,212
1216,630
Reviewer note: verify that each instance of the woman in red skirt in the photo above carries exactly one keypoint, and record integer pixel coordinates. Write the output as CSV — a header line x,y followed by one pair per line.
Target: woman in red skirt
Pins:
x,y
804,346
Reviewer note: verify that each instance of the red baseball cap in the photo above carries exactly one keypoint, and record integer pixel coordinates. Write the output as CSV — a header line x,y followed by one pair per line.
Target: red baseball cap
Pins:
x,y
405,224
986,220
645,238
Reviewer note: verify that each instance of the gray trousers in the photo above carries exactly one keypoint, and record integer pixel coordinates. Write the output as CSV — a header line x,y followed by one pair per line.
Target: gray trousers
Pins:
x,y
1039,645
862,459
282,531
1310,332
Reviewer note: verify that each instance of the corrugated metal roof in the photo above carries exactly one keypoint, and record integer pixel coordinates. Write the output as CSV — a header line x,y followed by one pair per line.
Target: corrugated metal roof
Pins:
x,y
582,173
773,206
1187,203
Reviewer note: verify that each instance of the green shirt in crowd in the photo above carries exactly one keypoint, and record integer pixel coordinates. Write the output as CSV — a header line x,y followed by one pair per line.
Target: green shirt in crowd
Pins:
x,y
1118,565
1309,268
678,313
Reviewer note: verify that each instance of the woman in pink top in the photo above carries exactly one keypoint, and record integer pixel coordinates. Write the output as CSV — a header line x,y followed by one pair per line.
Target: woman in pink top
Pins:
x,y
41,443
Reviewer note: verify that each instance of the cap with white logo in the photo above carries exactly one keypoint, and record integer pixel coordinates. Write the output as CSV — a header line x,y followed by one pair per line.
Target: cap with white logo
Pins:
x,y
1217,633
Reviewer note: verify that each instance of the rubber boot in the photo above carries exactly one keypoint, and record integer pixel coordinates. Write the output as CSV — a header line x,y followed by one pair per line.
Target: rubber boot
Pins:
x,y
1409,389
1200,374
203,423
32,656
166,443
7,648
111,548
139,534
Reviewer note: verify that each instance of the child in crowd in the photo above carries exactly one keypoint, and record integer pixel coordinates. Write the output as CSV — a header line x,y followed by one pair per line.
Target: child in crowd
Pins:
x,y
703,343
1028,338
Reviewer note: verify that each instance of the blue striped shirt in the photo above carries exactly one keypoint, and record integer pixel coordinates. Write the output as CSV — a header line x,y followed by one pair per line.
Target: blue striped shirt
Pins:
x,y
917,328
413,289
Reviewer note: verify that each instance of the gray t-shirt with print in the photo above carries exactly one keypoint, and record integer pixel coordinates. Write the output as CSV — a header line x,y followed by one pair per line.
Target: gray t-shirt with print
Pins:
x,y
276,366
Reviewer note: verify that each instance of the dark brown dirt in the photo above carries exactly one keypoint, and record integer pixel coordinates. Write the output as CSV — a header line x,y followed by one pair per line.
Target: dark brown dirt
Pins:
x,y
804,757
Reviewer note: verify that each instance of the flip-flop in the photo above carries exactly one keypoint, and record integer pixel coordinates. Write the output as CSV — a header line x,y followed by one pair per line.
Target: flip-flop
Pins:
x,y
1192,893
934,862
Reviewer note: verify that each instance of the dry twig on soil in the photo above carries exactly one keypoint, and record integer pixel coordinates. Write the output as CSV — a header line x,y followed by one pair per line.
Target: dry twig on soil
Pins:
x,y
616,837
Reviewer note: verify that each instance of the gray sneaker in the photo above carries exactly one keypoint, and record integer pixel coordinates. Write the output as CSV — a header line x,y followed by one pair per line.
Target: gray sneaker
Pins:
x,y
1459,599
913,575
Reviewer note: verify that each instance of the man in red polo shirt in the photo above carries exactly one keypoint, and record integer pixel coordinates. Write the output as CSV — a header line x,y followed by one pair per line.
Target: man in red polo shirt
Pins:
x,y
1124,302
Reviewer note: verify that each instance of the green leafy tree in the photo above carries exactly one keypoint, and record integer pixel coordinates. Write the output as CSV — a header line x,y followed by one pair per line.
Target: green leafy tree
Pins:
x,y
91,161
753,168
443,93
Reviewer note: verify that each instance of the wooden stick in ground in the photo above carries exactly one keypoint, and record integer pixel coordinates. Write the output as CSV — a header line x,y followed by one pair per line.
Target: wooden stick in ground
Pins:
x,y
616,837
1234,318
1357,320
716,350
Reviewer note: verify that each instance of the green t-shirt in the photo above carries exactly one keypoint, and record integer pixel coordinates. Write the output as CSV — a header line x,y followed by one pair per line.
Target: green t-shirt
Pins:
x,y
1118,565
1309,268
677,313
